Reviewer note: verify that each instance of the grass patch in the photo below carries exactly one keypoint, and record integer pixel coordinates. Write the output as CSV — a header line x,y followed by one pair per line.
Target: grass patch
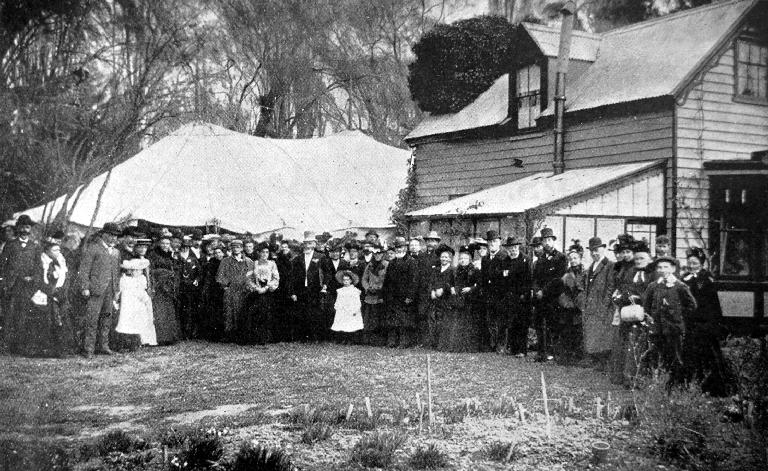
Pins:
x,y
316,432
256,457
201,450
323,414
430,457
500,451
377,450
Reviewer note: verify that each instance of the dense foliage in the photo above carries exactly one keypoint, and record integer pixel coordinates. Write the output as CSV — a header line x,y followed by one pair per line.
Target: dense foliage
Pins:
x,y
455,63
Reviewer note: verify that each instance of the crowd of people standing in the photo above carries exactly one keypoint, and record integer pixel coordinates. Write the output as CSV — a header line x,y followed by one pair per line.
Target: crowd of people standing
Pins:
x,y
122,289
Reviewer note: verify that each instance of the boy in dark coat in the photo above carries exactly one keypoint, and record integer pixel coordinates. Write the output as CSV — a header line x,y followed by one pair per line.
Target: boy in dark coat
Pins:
x,y
669,302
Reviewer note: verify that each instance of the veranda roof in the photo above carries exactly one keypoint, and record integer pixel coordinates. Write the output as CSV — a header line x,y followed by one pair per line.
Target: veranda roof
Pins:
x,y
203,172
534,191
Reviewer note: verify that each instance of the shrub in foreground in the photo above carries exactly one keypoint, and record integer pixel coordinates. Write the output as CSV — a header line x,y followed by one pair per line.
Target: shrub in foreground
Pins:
x,y
377,450
500,451
316,433
428,458
116,441
200,451
260,458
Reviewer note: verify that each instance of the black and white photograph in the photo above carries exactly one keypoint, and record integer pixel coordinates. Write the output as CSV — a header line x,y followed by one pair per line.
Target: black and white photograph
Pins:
x,y
310,235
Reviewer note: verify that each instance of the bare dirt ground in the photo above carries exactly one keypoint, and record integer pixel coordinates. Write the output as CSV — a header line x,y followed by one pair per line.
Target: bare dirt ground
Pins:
x,y
247,392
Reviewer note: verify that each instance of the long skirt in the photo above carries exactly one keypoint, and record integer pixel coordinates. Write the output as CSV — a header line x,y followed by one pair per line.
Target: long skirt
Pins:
x,y
459,331
234,307
47,331
211,315
704,361
257,320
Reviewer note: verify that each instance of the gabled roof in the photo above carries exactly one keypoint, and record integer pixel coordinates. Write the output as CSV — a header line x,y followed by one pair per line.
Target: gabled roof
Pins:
x,y
488,109
654,58
584,46
203,171
534,191
651,59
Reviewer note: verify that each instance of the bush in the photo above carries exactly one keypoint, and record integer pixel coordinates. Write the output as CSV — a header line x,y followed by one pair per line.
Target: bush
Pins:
x,y
377,450
200,451
116,441
315,433
259,458
500,451
174,437
428,458
325,413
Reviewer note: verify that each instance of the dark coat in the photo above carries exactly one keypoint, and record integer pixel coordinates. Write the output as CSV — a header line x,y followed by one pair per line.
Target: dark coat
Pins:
x,y
549,268
669,306
17,263
99,269
313,276
400,280
190,269
283,263
708,310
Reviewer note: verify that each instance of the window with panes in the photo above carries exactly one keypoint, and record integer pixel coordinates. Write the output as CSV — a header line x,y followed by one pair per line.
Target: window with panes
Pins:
x,y
528,82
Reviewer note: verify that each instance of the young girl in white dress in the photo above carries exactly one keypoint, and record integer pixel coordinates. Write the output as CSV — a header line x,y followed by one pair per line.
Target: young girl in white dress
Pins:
x,y
135,305
348,318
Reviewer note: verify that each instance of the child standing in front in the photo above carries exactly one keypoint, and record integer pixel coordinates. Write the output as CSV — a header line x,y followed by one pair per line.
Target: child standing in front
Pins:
x,y
135,305
348,319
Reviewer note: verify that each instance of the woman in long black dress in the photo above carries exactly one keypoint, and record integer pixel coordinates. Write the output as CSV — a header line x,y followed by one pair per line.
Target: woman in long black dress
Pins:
x,y
213,294
442,290
702,358
262,282
48,328
165,282
461,332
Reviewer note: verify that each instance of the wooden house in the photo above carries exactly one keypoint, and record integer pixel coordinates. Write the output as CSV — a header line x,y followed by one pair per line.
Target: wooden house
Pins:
x,y
666,132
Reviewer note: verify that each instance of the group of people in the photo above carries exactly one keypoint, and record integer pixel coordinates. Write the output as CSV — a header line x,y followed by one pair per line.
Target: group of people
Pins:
x,y
121,289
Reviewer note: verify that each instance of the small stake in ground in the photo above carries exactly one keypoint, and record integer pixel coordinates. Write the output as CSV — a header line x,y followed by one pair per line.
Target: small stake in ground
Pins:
x,y
521,409
429,389
420,406
546,406
368,407
165,457
598,407
349,411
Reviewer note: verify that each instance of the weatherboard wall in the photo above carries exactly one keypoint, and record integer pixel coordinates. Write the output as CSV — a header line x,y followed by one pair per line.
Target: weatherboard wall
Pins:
x,y
711,126
452,167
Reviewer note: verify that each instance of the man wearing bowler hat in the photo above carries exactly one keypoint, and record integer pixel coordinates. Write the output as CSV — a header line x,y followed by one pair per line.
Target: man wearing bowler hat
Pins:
x,y
598,312
519,302
549,268
425,263
305,292
99,277
18,264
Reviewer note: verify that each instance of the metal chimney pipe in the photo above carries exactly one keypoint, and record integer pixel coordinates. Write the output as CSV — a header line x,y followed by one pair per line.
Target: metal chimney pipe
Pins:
x,y
564,52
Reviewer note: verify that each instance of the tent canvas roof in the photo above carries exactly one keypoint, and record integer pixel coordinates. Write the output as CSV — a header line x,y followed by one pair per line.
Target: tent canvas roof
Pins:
x,y
203,172
533,191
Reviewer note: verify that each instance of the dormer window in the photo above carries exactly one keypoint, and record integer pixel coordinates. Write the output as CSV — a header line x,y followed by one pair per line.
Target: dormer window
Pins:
x,y
751,70
528,96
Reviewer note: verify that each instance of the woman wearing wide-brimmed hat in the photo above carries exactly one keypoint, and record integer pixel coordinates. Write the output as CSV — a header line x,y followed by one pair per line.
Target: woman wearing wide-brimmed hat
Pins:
x,y
135,313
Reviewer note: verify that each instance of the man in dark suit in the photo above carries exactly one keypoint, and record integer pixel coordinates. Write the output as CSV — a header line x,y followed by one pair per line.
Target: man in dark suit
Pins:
x,y
99,276
305,291
400,291
329,266
191,273
500,280
549,267
18,262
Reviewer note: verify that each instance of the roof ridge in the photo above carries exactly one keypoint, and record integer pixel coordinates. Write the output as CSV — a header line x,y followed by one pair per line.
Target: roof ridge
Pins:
x,y
672,16
588,34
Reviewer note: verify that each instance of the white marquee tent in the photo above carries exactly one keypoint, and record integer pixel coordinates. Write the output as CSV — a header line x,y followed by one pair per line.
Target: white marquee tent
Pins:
x,y
204,172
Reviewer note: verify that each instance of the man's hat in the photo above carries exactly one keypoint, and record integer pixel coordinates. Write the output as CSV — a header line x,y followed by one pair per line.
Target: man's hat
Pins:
x,y
177,234
352,275
535,242
143,241
25,220
186,241
197,234
309,236
445,248
512,240
372,232
432,235
130,231
352,245
490,235
54,239
663,239
666,258
111,228
466,249
479,242
595,242
236,242
208,237
548,232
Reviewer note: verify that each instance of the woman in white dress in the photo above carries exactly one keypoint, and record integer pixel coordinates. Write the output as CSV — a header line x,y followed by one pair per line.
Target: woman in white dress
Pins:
x,y
348,319
135,305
